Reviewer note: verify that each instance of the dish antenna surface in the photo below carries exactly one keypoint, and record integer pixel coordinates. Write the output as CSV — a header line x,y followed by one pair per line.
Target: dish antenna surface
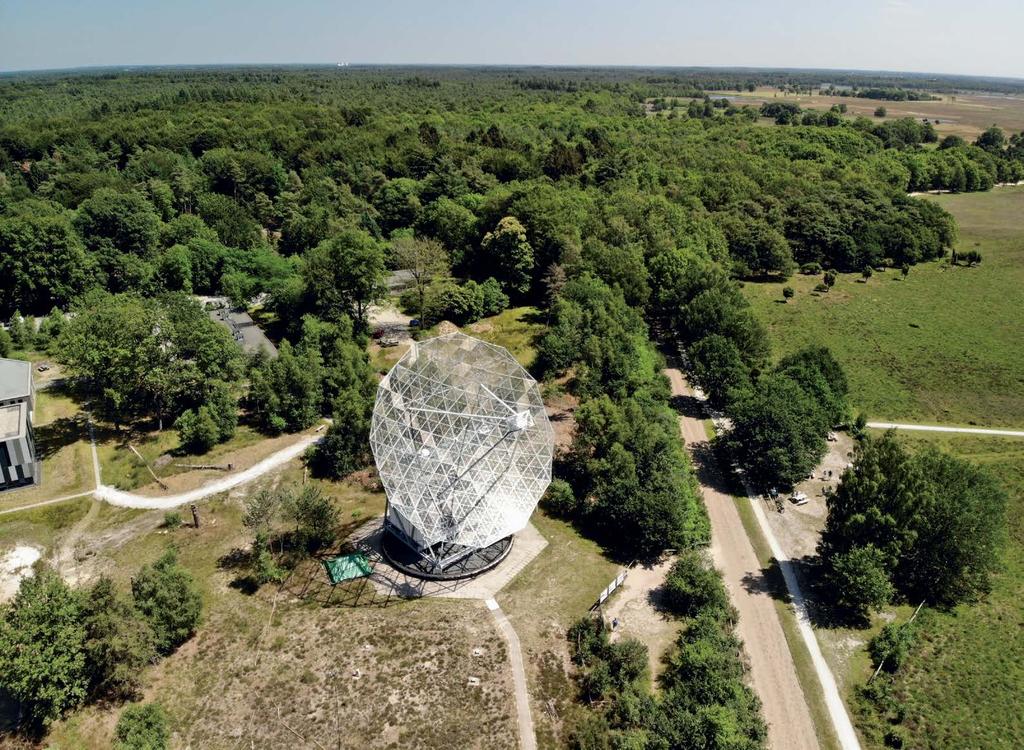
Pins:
x,y
463,447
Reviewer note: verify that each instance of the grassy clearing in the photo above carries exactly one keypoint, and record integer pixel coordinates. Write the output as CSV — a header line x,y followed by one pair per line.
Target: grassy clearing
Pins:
x,y
945,346
40,526
121,468
963,363
961,686
517,329
966,115
553,591
264,665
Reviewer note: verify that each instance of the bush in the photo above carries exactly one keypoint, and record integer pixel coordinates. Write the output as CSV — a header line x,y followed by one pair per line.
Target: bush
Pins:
x,y
316,518
42,649
196,430
859,581
891,646
166,595
118,645
788,293
172,519
264,568
559,499
142,727
693,586
810,269
492,299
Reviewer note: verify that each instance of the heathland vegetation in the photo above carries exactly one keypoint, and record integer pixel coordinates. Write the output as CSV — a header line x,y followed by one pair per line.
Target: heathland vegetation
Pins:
x,y
294,193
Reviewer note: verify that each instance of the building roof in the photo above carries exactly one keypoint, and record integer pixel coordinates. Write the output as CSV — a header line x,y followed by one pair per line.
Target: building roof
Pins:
x,y
15,379
12,421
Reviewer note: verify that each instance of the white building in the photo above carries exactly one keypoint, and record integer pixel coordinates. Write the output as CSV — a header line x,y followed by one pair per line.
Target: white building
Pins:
x,y
19,466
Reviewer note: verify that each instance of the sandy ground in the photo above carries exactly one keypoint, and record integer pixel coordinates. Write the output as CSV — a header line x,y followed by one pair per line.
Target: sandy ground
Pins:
x,y
637,607
798,527
772,672
14,566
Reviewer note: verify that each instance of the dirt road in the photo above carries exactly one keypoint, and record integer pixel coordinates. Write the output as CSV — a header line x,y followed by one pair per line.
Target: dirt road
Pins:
x,y
773,674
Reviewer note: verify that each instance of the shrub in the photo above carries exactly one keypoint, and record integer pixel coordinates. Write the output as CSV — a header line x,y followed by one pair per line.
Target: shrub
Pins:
x,y
316,518
196,430
492,299
118,645
42,654
692,586
891,646
264,568
810,269
172,519
166,595
559,500
859,581
788,293
142,726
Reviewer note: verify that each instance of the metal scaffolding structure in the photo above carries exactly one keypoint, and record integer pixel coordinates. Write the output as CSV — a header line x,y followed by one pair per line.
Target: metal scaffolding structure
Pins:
x,y
464,448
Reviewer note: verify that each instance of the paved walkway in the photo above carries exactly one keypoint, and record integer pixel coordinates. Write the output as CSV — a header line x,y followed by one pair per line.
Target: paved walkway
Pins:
x,y
527,736
942,428
772,670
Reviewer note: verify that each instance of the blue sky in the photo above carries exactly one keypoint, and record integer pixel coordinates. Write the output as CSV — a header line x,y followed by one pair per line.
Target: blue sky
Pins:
x,y
944,36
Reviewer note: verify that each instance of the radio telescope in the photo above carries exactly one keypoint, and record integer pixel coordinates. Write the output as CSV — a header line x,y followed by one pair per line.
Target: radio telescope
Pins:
x,y
463,447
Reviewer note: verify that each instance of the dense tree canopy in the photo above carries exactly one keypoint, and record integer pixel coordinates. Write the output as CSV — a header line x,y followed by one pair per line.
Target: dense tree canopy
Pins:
x,y
934,524
147,357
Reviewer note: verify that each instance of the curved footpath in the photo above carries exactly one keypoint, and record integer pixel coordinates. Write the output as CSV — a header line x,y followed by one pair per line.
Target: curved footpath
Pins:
x,y
772,670
131,500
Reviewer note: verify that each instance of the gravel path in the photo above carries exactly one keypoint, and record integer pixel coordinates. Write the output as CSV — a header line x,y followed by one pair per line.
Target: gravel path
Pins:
x,y
941,428
772,671
130,500
527,735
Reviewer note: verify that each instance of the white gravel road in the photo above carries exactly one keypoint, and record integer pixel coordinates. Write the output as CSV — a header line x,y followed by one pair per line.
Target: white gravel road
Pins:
x,y
130,500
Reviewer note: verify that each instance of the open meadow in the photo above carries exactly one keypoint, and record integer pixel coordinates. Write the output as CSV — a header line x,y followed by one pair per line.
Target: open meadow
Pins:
x,y
962,682
966,115
945,345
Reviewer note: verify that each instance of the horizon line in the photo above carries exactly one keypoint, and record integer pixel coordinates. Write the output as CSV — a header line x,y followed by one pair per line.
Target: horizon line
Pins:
x,y
127,67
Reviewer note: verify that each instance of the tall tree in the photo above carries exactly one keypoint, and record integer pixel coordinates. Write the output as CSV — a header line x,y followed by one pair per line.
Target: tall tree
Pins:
x,y
42,648
425,259
345,275
508,256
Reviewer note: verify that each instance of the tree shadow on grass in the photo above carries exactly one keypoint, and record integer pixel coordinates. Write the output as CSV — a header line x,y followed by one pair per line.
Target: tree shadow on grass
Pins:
x,y
58,434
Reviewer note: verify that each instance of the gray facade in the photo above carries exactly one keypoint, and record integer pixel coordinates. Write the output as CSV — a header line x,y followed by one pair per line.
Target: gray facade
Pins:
x,y
19,465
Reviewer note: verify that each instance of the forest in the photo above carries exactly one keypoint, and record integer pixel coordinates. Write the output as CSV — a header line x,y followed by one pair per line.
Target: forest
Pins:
x,y
294,192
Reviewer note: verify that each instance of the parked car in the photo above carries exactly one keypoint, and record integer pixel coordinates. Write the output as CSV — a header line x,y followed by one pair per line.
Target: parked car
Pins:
x,y
414,323
799,498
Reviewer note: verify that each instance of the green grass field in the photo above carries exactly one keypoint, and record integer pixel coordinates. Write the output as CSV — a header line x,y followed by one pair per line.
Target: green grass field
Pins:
x,y
962,685
944,346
